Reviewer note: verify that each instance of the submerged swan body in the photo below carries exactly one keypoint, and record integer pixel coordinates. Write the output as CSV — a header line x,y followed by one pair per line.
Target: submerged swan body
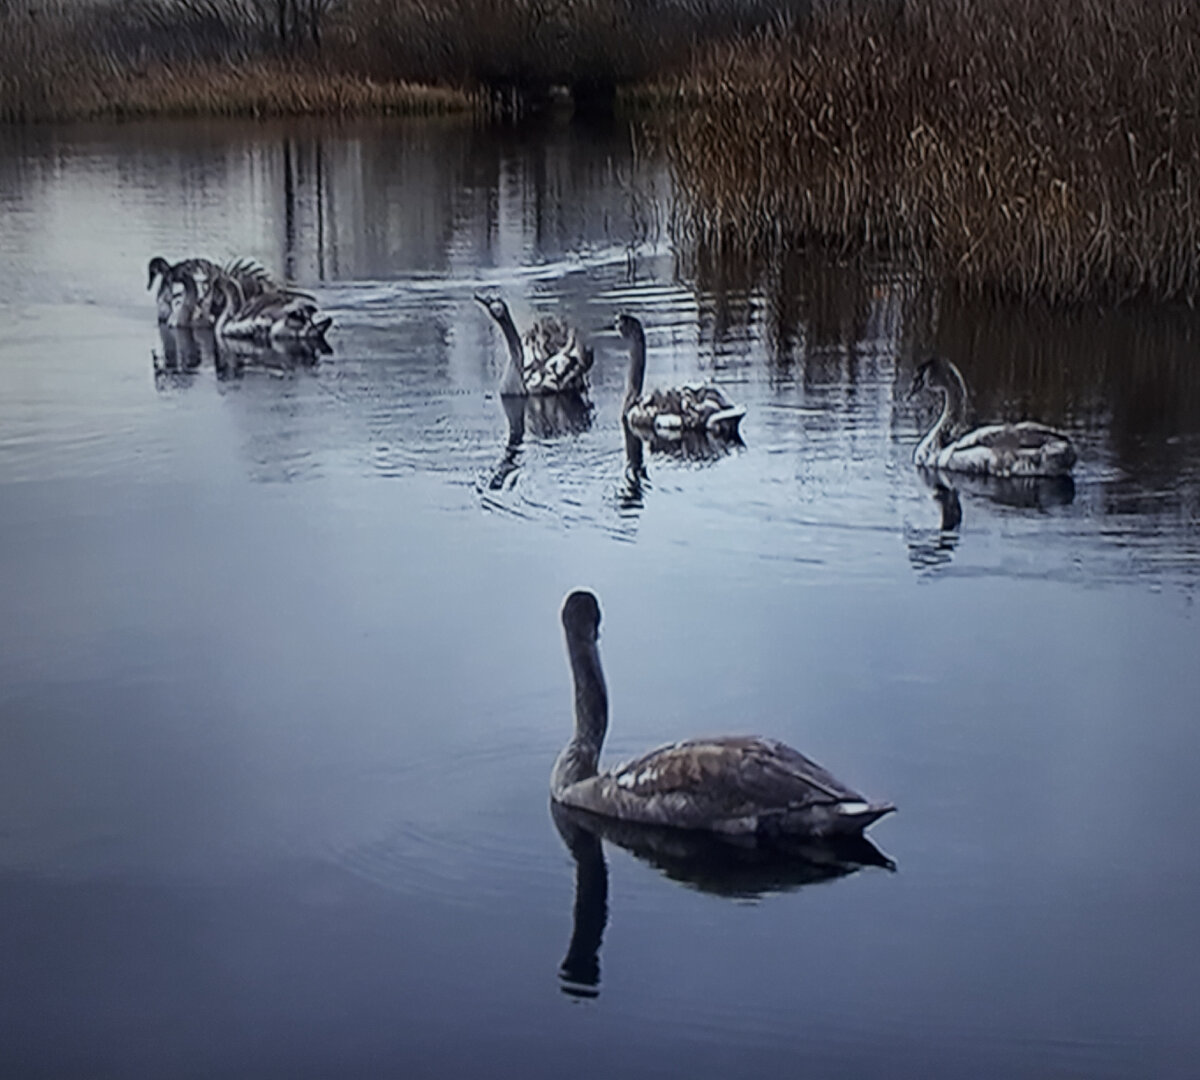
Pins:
x,y
737,785
700,407
1005,450
548,360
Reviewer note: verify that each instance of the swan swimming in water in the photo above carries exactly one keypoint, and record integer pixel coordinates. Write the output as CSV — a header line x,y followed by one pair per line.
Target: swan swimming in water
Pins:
x,y
733,785
700,407
547,360
1006,450
203,310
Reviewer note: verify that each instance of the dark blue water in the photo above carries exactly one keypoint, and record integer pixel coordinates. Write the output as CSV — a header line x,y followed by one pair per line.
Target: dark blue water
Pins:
x,y
281,675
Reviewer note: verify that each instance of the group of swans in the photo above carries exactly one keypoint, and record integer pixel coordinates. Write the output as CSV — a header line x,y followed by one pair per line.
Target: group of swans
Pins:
x,y
238,301
549,359
740,786
747,785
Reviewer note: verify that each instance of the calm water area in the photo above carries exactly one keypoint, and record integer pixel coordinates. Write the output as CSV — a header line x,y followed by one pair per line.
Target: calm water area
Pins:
x,y
282,676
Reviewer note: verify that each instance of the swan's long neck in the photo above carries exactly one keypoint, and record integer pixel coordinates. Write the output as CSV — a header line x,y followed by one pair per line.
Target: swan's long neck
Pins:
x,y
952,419
637,369
581,756
187,307
234,299
513,379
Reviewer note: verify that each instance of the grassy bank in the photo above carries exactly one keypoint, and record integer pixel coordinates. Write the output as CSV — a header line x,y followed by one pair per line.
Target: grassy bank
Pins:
x,y
1008,146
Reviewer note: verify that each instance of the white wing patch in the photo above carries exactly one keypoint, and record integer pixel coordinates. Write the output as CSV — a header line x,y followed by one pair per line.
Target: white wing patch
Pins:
x,y
636,779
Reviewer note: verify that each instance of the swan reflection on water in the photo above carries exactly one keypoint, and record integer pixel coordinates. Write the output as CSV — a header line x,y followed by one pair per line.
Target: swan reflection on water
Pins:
x,y
184,351
931,548
698,447
544,417
236,357
636,479
737,868
181,354
1023,492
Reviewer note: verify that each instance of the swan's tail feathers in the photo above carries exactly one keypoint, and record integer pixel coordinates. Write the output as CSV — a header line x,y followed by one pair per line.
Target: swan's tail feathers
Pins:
x,y
320,325
853,817
726,419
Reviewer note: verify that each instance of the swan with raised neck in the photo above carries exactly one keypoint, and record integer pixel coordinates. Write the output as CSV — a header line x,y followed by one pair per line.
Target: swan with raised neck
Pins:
x,y
548,360
738,785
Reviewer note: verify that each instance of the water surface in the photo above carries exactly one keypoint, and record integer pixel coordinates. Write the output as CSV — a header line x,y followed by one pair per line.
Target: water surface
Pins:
x,y
281,676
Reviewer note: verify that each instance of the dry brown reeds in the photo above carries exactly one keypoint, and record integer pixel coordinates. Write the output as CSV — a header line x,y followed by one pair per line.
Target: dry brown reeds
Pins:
x,y
1008,146
269,88
63,64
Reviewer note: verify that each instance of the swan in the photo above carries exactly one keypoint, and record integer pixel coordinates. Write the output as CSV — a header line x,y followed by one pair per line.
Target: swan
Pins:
x,y
731,785
251,278
688,408
268,316
547,360
1023,449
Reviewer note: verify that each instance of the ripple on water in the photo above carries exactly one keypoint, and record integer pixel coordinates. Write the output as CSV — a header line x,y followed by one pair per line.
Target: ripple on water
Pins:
x,y
446,843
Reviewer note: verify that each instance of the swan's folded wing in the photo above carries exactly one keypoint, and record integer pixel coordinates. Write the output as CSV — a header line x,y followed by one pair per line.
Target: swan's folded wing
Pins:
x,y
1027,435
728,777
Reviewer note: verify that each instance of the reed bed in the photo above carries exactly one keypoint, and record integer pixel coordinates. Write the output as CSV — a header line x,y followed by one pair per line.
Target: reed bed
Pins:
x,y
1009,147
79,64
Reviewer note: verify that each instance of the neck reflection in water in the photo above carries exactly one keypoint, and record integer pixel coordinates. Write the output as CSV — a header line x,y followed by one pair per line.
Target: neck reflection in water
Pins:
x,y
736,868
546,417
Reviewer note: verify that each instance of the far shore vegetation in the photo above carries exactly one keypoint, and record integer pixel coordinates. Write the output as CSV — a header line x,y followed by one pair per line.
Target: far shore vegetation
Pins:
x,y
1014,148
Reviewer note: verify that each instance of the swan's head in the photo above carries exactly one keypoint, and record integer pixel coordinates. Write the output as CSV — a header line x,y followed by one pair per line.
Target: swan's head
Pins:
x,y
158,265
496,307
937,374
581,615
629,327
921,380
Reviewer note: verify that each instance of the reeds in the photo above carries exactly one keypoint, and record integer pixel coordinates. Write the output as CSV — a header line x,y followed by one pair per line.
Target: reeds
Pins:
x,y
1007,146
76,63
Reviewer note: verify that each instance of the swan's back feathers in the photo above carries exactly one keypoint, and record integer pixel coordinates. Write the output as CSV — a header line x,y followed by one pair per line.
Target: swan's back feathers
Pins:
x,y
687,408
554,362
1023,449
741,767
1026,435
256,280
728,784
547,337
